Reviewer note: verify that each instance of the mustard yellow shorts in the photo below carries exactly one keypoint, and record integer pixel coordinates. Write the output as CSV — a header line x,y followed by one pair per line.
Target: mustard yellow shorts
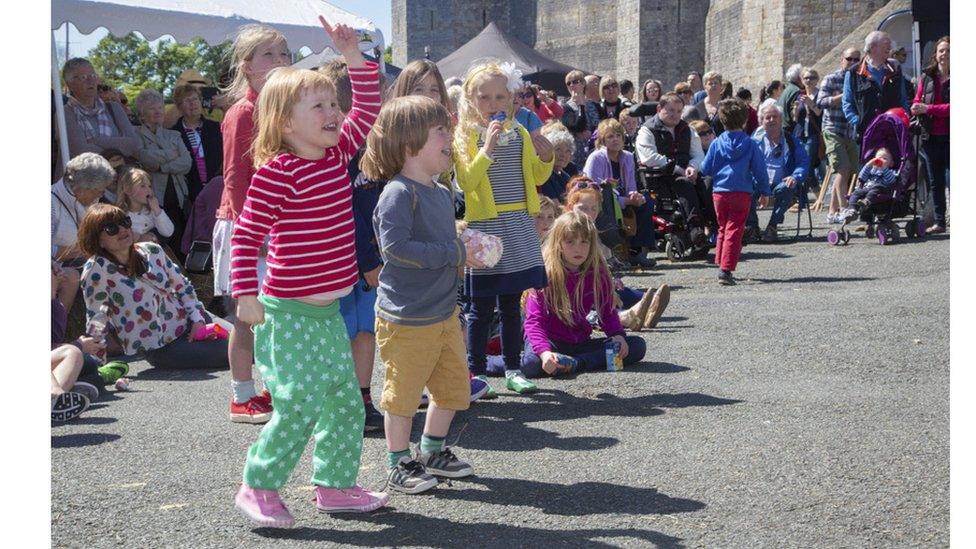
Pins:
x,y
432,356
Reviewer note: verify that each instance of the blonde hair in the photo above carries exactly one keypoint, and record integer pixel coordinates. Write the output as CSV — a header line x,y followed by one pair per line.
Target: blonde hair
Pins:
x,y
547,202
401,129
248,38
605,81
468,116
711,75
282,90
129,178
607,126
569,226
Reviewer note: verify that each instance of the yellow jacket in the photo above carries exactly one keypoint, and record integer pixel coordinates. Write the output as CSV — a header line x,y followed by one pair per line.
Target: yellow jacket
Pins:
x,y
479,201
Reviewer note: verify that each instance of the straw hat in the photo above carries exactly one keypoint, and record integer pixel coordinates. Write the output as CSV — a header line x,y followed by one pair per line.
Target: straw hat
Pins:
x,y
192,76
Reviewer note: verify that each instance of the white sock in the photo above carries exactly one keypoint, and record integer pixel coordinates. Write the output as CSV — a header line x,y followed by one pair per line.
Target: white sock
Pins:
x,y
243,390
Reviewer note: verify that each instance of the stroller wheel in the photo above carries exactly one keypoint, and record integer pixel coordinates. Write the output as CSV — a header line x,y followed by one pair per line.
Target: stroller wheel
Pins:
x,y
919,228
894,232
911,229
674,249
883,237
833,238
869,231
845,237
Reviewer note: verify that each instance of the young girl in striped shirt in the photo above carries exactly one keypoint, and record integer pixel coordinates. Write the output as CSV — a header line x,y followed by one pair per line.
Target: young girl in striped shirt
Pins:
x,y
498,166
302,198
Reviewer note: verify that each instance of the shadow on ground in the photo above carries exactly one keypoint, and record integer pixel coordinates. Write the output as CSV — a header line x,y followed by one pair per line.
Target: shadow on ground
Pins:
x,y
504,426
397,528
82,439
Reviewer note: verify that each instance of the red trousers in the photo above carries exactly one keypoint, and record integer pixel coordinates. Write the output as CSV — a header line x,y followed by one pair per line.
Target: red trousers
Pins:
x,y
731,210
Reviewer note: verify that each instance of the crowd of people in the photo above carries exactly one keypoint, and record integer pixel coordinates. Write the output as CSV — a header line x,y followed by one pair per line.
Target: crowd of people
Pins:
x,y
347,215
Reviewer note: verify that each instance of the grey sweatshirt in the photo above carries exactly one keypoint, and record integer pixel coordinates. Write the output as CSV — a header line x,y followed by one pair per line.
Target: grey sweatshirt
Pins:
x,y
414,226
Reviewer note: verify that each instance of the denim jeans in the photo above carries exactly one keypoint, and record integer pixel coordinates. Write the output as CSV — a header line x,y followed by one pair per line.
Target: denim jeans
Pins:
x,y
782,197
937,153
590,355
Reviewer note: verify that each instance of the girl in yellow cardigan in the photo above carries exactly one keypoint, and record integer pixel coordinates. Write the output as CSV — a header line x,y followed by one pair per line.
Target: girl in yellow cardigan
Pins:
x,y
498,166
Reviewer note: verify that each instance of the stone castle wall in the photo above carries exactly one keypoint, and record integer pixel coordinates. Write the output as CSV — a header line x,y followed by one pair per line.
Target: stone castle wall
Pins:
x,y
749,41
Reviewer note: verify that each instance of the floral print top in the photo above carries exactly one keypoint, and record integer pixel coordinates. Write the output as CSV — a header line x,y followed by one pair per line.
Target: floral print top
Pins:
x,y
145,313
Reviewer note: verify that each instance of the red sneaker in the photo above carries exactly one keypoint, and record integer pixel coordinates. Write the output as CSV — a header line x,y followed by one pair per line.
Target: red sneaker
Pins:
x,y
265,397
252,411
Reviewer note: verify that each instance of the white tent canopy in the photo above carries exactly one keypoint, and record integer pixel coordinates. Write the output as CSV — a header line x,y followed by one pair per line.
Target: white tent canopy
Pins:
x,y
215,21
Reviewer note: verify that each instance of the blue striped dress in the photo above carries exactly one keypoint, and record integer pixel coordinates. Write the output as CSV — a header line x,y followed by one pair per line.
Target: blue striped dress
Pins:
x,y
520,267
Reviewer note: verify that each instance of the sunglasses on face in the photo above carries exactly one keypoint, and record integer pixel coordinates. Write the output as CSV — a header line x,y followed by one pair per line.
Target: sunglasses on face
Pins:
x,y
527,95
684,93
704,133
112,228
571,82
586,185
811,78
611,86
852,59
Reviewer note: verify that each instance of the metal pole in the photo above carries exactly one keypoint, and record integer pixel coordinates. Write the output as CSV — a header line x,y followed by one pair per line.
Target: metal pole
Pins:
x,y
58,103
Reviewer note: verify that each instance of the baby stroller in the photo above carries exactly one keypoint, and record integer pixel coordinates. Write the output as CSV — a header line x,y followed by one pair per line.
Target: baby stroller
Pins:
x,y
679,231
891,132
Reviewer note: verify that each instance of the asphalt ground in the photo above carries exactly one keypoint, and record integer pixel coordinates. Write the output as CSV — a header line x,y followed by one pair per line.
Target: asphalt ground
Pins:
x,y
807,406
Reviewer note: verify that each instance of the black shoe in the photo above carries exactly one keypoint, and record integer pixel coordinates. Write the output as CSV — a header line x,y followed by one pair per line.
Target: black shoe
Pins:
x,y
725,278
770,234
374,419
643,260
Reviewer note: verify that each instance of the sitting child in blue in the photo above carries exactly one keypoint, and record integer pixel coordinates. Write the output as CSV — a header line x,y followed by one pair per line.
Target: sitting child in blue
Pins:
x,y
878,180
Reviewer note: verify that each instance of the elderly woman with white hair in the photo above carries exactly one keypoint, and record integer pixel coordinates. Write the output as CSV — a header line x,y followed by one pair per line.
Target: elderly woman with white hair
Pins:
x,y
166,158
787,164
85,179
563,146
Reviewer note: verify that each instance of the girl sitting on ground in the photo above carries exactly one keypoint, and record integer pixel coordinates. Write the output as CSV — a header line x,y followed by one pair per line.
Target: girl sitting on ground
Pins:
x,y
135,195
579,280
638,309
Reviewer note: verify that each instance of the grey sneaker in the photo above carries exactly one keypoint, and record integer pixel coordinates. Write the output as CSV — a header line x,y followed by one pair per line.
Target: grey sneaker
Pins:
x,y
409,477
444,464
86,389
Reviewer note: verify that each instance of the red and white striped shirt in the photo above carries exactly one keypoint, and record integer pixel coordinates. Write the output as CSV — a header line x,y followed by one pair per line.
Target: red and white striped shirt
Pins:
x,y
306,208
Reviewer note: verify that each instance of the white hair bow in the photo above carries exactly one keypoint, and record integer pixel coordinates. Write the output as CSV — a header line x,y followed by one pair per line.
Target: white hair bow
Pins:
x,y
513,75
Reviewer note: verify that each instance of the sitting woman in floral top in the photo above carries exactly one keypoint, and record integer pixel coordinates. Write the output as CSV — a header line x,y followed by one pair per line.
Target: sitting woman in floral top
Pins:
x,y
152,308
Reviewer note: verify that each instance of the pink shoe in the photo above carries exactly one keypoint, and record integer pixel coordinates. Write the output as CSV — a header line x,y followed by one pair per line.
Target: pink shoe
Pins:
x,y
263,507
335,500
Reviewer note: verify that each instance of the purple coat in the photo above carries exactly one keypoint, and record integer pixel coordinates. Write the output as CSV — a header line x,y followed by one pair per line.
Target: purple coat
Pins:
x,y
598,169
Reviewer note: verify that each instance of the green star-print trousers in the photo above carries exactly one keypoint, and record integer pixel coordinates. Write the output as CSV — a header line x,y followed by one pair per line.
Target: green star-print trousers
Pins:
x,y
303,354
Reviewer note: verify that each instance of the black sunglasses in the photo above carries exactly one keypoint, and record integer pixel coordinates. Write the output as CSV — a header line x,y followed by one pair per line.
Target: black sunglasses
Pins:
x,y
571,82
852,59
587,185
112,228
704,133
611,86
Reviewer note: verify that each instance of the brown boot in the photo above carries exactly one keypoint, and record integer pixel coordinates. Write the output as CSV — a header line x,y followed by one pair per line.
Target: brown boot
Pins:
x,y
633,318
658,304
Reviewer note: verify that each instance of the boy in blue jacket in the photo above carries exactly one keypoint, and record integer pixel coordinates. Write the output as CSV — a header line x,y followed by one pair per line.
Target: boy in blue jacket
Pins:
x,y
737,168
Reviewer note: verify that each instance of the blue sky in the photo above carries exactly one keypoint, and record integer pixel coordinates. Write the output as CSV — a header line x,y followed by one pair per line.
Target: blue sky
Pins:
x,y
377,11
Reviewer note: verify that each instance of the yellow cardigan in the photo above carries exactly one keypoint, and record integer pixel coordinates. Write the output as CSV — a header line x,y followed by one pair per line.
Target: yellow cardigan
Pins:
x,y
479,201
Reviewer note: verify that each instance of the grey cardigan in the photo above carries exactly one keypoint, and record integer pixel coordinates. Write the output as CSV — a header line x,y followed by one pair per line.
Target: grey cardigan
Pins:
x,y
164,156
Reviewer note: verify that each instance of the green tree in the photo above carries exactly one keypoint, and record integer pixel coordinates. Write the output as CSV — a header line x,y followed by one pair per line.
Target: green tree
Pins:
x,y
388,55
133,64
